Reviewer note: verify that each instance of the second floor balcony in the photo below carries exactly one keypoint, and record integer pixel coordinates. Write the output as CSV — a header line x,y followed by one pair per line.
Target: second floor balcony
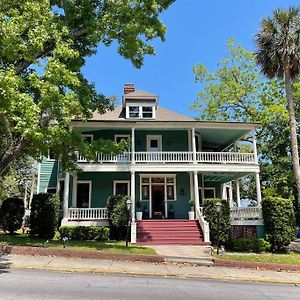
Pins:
x,y
175,157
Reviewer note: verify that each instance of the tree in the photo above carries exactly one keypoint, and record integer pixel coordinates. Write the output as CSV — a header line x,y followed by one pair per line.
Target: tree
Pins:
x,y
12,213
278,54
237,91
44,45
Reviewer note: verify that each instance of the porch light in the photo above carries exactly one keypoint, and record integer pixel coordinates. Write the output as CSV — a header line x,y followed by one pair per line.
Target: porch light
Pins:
x,y
129,204
218,207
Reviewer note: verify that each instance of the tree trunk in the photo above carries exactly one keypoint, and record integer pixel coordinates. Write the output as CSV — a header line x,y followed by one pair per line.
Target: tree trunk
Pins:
x,y
293,128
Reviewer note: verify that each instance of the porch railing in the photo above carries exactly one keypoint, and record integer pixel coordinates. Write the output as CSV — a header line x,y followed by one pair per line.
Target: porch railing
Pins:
x,y
203,223
87,213
244,213
175,157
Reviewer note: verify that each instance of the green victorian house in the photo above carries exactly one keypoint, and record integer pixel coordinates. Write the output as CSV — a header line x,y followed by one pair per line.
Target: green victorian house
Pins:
x,y
172,159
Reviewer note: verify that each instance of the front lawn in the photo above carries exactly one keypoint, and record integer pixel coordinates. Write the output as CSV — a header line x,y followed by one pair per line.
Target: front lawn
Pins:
x,y
111,246
289,259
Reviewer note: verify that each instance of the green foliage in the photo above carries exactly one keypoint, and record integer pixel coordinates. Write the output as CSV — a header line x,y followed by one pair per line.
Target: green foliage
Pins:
x,y
44,215
191,202
211,215
11,214
118,214
256,245
279,220
99,233
44,45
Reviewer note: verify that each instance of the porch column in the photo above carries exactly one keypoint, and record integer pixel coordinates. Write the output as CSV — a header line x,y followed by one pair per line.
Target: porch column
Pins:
x,y
74,190
66,196
254,147
230,195
132,194
194,146
238,196
258,190
132,146
196,192
223,189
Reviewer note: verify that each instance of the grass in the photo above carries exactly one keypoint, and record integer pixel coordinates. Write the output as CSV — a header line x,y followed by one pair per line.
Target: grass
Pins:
x,y
289,259
111,246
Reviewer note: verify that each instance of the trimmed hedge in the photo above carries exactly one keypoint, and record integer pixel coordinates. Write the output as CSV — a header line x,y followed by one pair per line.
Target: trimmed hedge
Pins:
x,y
256,245
99,233
211,216
11,214
44,215
279,220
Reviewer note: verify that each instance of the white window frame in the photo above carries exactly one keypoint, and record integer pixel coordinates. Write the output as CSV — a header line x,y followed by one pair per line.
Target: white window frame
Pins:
x,y
90,191
88,135
140,106
48,156
153,137
126,136
121,181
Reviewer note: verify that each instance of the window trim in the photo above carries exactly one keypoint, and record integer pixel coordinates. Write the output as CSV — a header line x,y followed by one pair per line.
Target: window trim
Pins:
x,y
156,136
48,156
207,188
121,181
51,187
121,135
90,191
88,135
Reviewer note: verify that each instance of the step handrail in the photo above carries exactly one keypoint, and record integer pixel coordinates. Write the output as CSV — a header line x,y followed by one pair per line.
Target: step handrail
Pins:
x,y
204,225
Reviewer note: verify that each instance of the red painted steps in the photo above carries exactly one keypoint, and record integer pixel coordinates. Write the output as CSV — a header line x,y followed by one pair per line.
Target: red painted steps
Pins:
x,y
159,232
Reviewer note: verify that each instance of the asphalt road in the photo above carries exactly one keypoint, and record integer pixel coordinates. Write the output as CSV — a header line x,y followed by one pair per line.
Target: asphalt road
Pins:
x,y
32,284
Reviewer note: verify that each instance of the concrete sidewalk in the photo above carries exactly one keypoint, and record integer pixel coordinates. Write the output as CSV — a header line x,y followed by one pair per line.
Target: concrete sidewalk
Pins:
x,y
150,269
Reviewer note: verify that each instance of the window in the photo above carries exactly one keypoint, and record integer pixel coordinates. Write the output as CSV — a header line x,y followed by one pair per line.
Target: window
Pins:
x,y
83,194
51,155
147,112
122,137
88,138
121,187
154,143
207,193
134,111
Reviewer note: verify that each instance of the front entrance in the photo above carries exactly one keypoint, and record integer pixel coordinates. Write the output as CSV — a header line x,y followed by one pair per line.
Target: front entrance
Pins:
x,y
158,201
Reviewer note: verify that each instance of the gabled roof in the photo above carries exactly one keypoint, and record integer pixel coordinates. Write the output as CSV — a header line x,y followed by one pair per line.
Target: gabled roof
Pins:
x,y
139,93
118,114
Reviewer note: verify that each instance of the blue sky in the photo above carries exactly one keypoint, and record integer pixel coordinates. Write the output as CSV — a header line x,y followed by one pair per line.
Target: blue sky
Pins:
x,y
197,32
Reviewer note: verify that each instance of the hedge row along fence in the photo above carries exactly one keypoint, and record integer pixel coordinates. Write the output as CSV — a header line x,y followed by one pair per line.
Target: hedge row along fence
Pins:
x,y
79,233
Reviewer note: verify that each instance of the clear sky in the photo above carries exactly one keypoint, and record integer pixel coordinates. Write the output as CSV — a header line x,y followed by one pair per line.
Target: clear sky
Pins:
x,y
197,32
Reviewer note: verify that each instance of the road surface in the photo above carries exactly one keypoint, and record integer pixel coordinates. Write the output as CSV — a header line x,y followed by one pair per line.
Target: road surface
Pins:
x,y
33,284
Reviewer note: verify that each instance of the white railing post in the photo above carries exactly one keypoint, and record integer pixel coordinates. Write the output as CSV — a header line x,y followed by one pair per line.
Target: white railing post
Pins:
x,y
238,195
203,224
254,147
258,189
196,191
132,193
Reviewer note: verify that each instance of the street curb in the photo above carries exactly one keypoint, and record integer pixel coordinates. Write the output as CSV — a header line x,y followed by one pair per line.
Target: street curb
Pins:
x,y
172,275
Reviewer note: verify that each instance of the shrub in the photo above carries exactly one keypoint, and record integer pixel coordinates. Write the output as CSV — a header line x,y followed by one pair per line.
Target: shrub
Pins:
x,y
279,220
44,215
256,245
99,233
211,215
11,214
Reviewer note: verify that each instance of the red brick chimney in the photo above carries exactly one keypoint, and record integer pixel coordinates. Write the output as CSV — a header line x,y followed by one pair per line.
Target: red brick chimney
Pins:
x,y
128,88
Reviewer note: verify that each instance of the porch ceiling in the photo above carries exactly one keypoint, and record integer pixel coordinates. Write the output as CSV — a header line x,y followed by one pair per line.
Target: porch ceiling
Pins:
x,y
223,176
220,138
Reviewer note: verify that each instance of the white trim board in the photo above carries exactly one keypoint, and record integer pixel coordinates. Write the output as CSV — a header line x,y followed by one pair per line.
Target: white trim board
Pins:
x,y
121,181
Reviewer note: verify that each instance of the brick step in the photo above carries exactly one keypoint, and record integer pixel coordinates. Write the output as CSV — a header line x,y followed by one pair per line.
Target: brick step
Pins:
x,y
198,243
172,241
178,225
174,234
168,232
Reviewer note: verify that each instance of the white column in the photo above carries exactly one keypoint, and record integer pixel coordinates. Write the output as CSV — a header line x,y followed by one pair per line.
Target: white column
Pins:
x,y
132,146
74,190
230,195
196,191
223,189
258,190
254,147
191,187
66,196
194,146
132,193
238,195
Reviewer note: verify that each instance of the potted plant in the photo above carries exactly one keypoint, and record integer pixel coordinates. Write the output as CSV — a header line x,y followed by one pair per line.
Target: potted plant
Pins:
x,y
139,213
192,211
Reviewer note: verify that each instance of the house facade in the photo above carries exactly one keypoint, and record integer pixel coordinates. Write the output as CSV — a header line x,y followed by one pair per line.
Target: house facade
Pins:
x,y
172,159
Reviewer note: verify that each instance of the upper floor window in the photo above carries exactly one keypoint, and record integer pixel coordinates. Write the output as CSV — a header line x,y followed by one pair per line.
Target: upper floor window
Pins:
x,y
140,112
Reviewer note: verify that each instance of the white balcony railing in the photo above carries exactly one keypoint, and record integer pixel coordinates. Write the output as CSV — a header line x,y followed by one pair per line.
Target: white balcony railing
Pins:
x,y
87,213
244,213
175,157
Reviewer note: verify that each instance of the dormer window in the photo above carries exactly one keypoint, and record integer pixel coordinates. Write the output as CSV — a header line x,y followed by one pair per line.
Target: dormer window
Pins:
x,y
140,112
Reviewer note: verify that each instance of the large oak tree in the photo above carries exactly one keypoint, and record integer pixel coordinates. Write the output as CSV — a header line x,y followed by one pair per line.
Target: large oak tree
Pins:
x,y
43,46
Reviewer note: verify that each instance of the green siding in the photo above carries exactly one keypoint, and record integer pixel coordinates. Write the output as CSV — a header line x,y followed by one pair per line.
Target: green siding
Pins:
x,y
48,174
260,231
